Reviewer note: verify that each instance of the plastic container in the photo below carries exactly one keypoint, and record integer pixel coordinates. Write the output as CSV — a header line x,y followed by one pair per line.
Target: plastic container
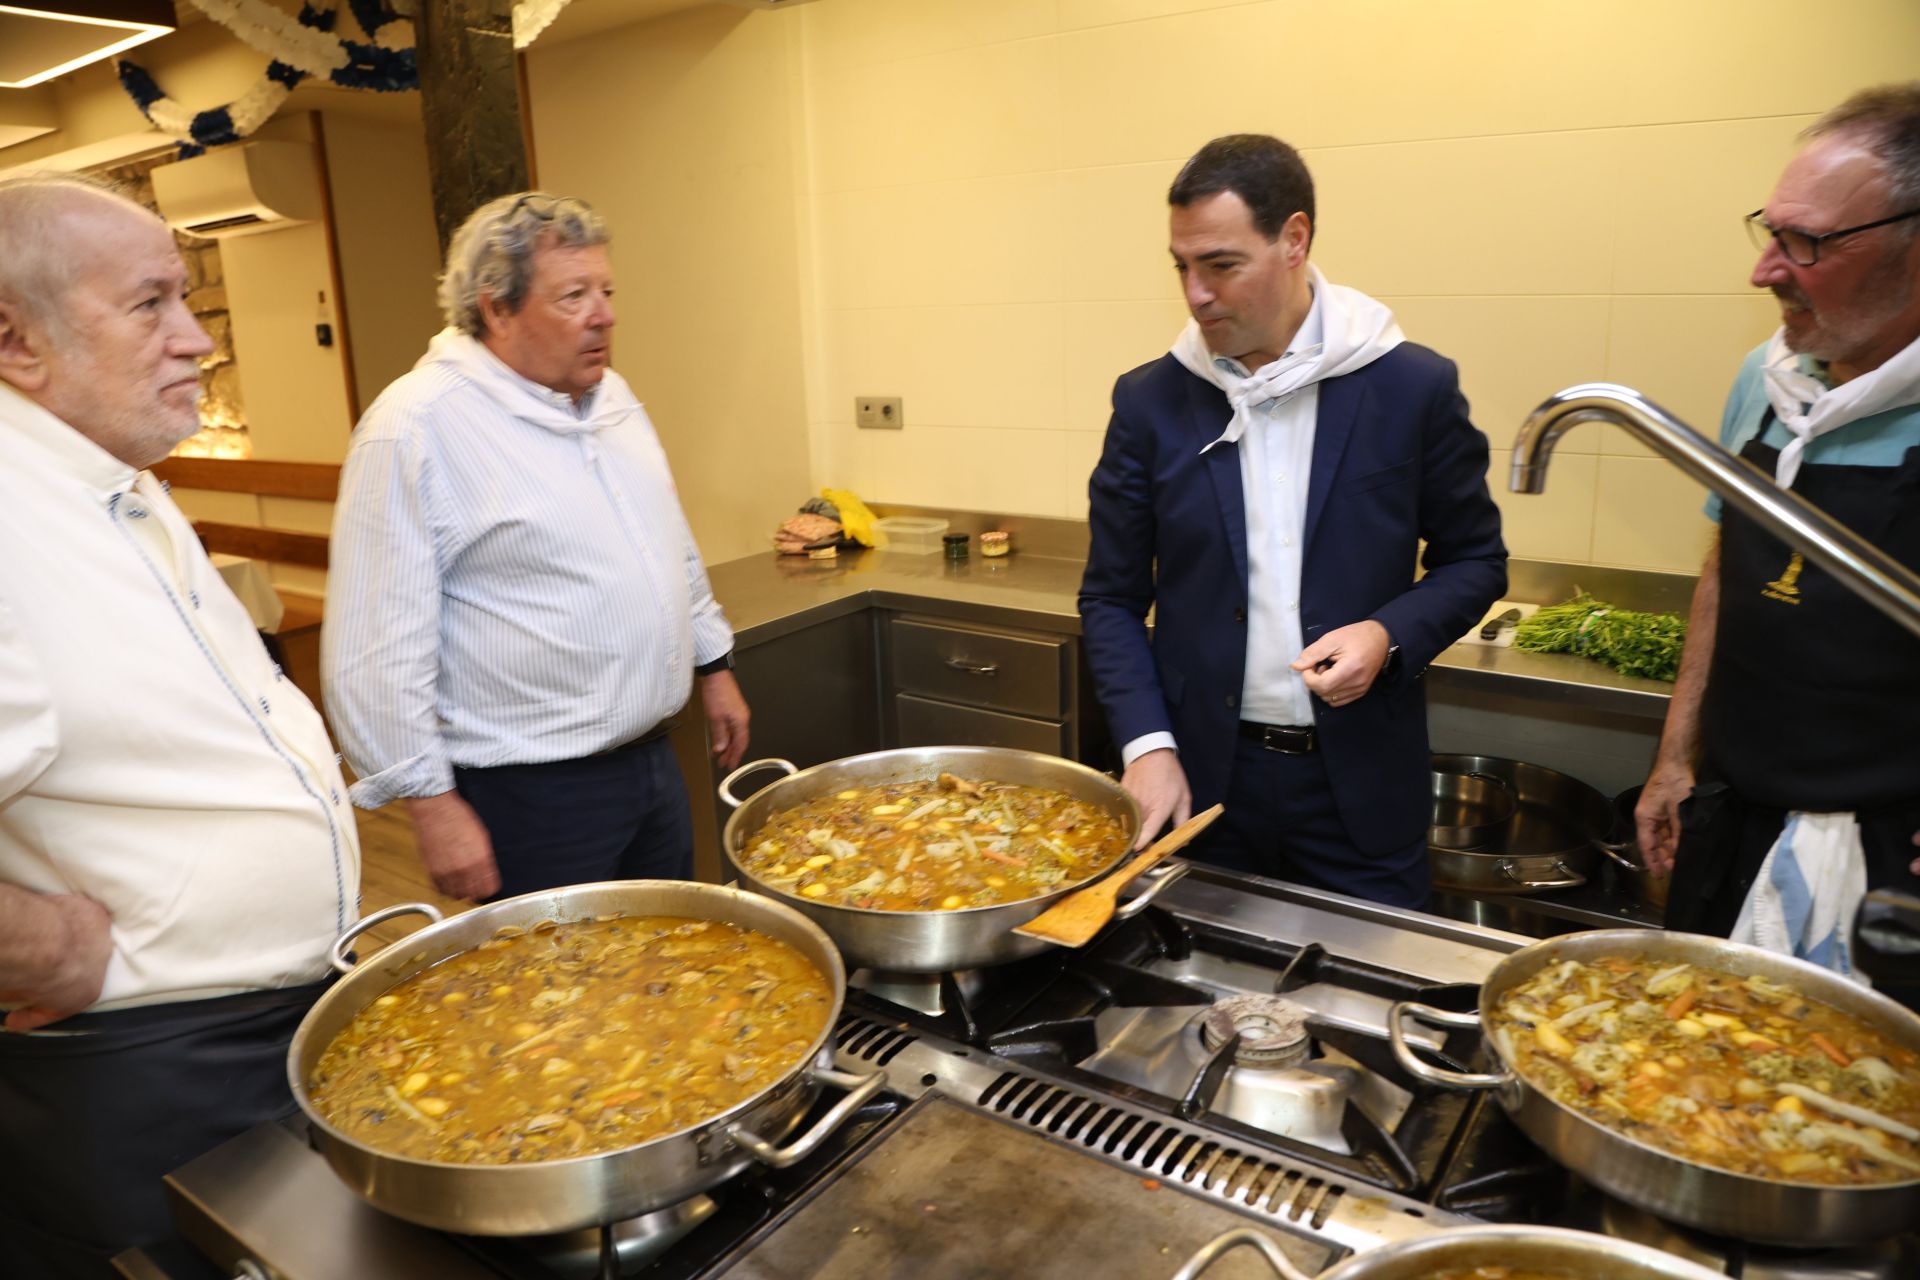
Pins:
x,y
915,535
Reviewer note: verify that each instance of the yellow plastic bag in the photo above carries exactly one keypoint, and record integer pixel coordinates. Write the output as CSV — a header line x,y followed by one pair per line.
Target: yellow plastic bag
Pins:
x,y
855,518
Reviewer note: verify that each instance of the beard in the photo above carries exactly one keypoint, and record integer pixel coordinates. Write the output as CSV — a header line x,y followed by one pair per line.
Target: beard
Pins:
x,y
1840,332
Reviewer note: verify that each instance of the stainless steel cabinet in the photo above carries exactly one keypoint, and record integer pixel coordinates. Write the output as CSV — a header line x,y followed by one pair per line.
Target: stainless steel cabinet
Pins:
x,y
953,682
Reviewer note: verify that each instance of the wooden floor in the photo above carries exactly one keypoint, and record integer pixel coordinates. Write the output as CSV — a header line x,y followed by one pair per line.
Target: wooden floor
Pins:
x,y
390,872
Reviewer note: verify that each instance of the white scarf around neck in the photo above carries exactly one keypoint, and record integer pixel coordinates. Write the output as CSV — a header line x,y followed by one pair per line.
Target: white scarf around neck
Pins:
x,y
1355,330
1809,408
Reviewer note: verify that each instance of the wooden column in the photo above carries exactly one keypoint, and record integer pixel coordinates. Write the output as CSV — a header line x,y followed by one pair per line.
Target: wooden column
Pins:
x,y
470,99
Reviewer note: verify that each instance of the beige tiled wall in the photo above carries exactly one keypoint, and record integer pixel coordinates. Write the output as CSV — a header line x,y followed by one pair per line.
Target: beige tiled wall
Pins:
x,y
1548,193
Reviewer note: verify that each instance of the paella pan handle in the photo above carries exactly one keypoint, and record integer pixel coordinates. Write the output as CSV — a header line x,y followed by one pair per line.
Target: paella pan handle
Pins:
x,y
339,955
1570,879
1227,1242
1617,850
1161,876
1404,1055
787,767
860,1088
1498,783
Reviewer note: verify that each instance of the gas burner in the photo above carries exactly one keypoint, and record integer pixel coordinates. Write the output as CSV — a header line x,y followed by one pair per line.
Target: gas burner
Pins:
x,y
602,1253
1272,1031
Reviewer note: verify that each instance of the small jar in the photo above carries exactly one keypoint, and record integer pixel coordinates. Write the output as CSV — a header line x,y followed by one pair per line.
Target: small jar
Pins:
x,y
956,545
995,542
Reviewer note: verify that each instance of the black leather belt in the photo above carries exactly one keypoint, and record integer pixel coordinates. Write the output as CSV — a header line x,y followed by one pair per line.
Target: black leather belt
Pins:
x,y
654,734
1287,739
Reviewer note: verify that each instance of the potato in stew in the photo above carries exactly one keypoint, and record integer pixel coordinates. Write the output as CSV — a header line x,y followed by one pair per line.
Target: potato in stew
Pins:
x,y
571,1040
1741,1073
937,845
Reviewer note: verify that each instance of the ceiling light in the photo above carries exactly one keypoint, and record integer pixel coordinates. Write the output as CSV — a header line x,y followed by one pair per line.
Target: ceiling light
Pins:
x,y
46,38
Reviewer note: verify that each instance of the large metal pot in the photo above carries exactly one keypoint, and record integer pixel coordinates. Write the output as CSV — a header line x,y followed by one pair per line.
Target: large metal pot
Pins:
x,y
564,1195
1667,1185
929,941
1546,844
1623,849
1573,1253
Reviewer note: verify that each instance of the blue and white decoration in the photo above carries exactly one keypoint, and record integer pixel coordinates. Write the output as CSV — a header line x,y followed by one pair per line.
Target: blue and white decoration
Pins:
x,y
299,47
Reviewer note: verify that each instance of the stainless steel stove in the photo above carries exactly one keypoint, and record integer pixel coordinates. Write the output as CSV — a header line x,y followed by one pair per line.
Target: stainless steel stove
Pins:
x,y
1220,1060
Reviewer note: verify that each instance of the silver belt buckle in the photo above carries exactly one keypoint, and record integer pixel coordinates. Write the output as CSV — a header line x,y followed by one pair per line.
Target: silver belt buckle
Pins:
x,y
1288,740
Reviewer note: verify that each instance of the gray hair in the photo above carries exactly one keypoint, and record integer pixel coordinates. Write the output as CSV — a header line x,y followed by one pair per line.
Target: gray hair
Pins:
x,y
492,252
33,274
1886,120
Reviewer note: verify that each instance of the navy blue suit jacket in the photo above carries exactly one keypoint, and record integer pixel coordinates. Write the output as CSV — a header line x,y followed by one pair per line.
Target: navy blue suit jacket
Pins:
x,y
1396,462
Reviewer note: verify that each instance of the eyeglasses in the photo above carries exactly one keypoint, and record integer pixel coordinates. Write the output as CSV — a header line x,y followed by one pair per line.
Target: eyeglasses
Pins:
x,y
548,208
1802,247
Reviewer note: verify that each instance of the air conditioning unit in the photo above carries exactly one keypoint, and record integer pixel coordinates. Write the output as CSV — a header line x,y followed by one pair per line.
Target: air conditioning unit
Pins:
x,y
240,190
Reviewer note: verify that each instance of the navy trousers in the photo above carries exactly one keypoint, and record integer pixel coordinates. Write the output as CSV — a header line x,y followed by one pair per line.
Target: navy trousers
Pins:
x,y
619,816
1281,822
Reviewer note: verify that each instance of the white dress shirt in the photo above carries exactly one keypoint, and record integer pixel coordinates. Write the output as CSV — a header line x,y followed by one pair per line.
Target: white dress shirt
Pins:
x,y
152,756
1276,456
512,578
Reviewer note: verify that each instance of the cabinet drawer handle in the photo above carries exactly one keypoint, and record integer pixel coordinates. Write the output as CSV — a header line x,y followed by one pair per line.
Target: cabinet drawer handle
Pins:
x,y
974,668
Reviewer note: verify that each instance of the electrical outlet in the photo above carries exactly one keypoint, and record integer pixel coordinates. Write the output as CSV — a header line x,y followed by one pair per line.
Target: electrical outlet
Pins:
x,y
878,411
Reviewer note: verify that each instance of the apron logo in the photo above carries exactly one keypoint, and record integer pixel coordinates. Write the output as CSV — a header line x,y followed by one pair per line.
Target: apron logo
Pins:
x,y
1785,588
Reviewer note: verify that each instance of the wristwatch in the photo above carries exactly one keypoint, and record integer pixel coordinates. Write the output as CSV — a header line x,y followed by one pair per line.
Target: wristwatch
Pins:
x,y
722,663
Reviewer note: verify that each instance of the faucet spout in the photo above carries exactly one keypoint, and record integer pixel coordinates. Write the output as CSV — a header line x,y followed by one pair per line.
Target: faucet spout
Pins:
x,y
1863,568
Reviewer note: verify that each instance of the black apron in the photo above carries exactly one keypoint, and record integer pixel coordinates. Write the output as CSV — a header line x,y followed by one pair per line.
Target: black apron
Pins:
x,y
1812,699
91,1122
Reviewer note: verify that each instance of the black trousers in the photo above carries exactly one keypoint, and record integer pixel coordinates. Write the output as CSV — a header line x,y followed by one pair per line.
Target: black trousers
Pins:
x,y
90,1122
618,816
1281,821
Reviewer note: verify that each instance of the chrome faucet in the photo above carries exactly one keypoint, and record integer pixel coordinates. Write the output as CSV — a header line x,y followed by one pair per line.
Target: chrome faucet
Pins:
x,y
1861,567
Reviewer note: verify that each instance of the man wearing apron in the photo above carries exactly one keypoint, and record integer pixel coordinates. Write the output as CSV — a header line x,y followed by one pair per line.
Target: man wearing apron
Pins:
x,y
1798,702
176,850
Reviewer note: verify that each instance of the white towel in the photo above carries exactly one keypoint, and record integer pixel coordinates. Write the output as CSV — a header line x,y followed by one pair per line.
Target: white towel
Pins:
x,y
1809,408
1809,889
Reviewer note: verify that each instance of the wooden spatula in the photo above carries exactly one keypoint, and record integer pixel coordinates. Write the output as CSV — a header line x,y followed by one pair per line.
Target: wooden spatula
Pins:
x,y
1074,919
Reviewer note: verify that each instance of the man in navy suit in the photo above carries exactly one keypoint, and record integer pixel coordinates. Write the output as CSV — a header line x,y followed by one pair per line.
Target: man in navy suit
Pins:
x,y
1266,488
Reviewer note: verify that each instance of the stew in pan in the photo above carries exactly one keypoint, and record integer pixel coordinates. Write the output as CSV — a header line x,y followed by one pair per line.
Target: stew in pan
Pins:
x,y
570,1040
1743,1074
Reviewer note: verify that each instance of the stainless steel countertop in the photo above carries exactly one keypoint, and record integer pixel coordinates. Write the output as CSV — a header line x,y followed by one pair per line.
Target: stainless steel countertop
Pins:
x,y
767,596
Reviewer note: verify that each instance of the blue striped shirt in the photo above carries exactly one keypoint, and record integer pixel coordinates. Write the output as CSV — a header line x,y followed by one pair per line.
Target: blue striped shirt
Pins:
x,y
512,578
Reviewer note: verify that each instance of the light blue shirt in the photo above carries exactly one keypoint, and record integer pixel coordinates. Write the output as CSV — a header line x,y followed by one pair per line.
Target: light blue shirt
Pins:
x,y
1879,440
512,578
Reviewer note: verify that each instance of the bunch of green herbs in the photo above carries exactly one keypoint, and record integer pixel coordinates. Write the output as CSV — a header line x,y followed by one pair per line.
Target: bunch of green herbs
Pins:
x,y
1634,644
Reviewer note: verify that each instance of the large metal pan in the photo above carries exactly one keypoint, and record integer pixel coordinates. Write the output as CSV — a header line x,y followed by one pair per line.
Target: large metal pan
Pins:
x,y
585,1191
930,941
1667,1185
1553,1249
1546,844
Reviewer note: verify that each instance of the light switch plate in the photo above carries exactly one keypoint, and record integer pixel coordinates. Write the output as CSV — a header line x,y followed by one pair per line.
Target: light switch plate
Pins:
x,y
878,411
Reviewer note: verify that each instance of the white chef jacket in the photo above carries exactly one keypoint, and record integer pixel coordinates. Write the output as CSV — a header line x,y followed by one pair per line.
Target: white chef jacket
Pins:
x,y
152,756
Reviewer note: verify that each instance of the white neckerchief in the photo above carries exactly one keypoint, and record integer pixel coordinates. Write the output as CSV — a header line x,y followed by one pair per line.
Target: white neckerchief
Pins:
x,y
1355,331
1809,408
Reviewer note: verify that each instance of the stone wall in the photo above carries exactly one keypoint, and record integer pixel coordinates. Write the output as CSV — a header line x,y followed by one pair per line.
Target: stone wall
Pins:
x,y
223,415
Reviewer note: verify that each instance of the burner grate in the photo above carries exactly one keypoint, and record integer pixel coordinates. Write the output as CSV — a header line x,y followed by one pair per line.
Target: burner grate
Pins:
x,y
871,1042
1163,1148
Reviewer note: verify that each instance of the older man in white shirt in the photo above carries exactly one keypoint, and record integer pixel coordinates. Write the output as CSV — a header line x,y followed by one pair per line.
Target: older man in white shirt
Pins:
x,y
176,851
516,610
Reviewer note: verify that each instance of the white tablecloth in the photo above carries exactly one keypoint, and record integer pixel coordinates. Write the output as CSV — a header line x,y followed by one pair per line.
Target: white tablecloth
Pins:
x,y
248,580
